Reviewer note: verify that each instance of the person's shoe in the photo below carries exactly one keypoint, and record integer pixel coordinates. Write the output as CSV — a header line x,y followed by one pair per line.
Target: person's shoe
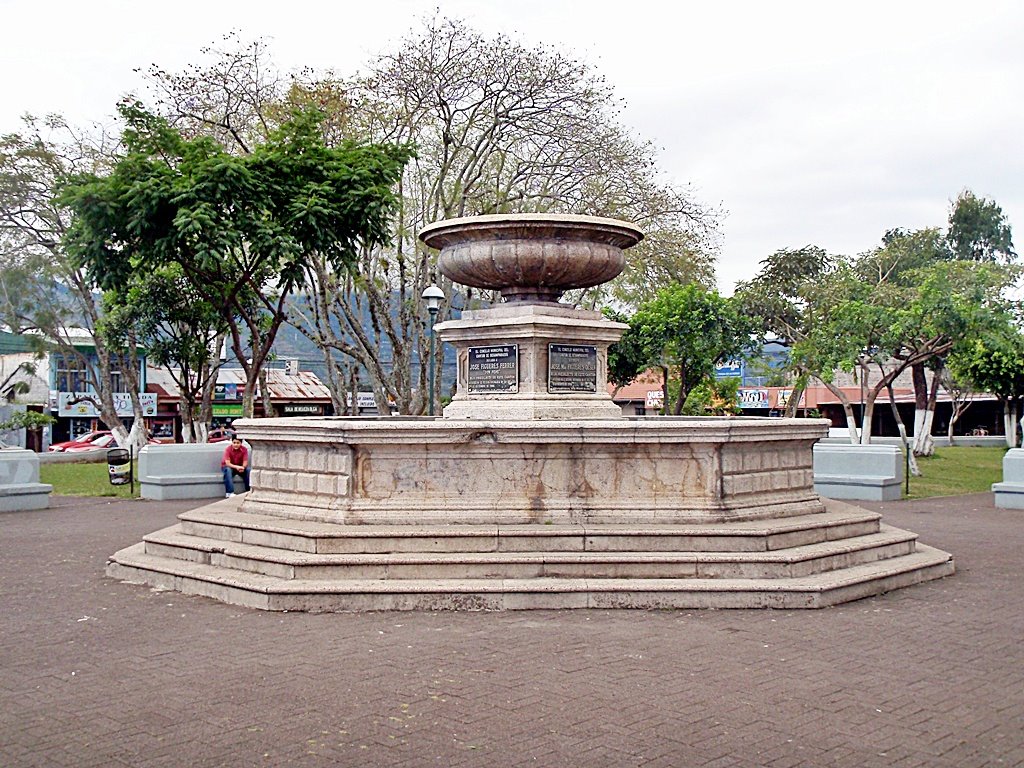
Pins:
x,y
228,495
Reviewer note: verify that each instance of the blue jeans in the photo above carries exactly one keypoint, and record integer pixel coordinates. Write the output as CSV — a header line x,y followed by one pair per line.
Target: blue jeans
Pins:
x,y
229,485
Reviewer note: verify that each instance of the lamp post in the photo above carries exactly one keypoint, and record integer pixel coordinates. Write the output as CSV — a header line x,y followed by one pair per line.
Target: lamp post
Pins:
x,y
433,296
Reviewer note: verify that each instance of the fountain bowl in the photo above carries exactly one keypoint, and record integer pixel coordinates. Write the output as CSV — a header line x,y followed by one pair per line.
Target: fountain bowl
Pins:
x,y
531,257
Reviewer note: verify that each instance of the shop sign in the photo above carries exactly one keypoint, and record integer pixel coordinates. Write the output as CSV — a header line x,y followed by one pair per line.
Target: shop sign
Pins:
x,y
655,399
782,398
301,409
72,404
753,398
227,410
730,369
364,400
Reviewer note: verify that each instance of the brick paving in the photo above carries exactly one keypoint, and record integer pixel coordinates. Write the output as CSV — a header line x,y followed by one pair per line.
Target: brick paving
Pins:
x,y
98,673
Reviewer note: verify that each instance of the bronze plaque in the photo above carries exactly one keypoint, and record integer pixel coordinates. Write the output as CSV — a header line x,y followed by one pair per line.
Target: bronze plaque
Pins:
x,y
572,368
494,369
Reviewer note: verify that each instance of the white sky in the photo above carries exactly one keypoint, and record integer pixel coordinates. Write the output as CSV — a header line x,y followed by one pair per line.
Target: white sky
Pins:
x,y
809,122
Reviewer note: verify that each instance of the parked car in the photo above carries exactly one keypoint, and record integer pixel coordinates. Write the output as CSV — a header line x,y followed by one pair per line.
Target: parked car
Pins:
x,y
103,441
85,439
219,435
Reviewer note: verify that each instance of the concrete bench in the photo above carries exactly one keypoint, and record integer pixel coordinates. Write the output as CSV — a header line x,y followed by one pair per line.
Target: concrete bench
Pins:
x,y
20,488
864,472
1010,493
181,471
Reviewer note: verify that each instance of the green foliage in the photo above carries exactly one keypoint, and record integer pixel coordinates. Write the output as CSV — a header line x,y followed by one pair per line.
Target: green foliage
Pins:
x,y
713,397
993,362
978,230
228,220
689,330
780,296
242,231
26,420
628,357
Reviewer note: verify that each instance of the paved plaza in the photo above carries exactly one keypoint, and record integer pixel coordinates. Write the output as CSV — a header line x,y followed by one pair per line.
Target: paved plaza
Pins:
x,y
100,673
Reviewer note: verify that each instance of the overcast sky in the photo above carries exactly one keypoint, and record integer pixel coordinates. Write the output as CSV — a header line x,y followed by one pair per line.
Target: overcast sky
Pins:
x,y
808,122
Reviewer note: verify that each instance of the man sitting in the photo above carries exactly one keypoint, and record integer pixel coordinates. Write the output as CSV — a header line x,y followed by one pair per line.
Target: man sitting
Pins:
x,y
235,462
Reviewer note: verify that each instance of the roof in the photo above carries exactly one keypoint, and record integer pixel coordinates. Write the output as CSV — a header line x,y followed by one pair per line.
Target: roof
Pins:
x,y
12,343
304,385
648,381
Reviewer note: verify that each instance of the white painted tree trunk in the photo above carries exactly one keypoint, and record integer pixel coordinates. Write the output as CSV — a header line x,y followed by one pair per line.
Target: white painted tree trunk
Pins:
x,y
851,424
924,444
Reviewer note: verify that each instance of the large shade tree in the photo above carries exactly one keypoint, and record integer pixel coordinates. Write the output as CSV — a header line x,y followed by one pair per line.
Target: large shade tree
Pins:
x,y
242,229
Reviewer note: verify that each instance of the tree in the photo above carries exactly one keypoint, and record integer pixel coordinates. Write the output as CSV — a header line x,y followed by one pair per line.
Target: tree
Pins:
x,y
688,330
995,363
978,230
782,298
890,328
899,261
43,292
241,229
499,127
627,358
898,306
24,420
181,331
961,397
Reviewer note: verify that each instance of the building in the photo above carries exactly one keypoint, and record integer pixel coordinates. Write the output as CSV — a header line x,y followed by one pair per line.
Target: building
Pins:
x,y
62,384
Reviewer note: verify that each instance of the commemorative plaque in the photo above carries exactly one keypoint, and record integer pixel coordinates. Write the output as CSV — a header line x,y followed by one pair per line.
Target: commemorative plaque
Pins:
x,y
572,368
494,369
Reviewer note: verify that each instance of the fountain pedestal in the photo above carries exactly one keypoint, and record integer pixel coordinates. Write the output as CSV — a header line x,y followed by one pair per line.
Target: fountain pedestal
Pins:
x,y
520,362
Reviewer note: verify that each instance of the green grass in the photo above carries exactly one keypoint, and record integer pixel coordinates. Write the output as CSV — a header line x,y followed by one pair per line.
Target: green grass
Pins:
x,y
955,471
84,480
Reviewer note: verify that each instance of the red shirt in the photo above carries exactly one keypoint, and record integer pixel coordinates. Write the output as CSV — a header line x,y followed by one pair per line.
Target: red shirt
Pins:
x,y
238,456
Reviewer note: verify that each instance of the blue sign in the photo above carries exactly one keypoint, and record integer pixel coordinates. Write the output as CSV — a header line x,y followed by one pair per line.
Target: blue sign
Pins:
x,y
730,369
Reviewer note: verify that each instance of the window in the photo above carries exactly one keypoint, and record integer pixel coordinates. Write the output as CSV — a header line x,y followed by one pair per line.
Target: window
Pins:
x,y
118,365
70,374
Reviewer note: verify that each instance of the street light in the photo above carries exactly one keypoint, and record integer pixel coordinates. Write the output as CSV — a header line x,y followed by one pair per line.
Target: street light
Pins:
x,y
433,296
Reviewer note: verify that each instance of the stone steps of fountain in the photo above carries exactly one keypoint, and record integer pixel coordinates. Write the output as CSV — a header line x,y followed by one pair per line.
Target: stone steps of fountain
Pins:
x,y
289,564
266,592
224,521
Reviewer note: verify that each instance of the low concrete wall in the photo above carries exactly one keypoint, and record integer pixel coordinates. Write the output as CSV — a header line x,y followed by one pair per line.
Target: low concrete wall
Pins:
x,y
181,471
20,488
97,456
842,437
864,472
1010,493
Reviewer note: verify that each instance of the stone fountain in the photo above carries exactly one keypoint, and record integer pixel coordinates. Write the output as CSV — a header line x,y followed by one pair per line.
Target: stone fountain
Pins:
x,y
532,490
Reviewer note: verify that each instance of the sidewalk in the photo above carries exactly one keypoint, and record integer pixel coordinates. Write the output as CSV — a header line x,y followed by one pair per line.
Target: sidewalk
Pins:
x,y
99,673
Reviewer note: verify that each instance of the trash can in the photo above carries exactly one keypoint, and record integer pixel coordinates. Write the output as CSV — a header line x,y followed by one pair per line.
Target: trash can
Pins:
x,y
119,466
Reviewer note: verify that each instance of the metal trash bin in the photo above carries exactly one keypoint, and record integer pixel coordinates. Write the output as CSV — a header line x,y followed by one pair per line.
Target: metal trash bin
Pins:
x,y
119,466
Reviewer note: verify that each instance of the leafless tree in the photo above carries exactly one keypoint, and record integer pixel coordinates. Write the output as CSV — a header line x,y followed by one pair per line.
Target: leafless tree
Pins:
x,y
42,292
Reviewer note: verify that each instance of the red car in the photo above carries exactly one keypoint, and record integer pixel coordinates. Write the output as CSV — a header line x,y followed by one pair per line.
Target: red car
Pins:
x,y
103,441
219,435
78,442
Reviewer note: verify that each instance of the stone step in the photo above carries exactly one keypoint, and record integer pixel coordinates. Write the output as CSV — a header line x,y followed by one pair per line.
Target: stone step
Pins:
x,y
222,521
270,593
288,564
